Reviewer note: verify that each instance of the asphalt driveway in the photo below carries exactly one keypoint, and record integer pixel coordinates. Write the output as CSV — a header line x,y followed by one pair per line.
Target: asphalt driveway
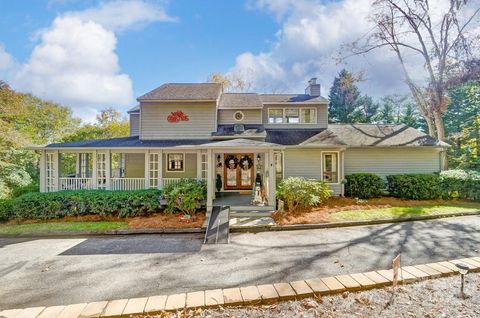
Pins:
x,y
70,270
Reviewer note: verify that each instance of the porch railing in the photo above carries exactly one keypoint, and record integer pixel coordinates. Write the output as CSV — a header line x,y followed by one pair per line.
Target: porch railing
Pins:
x,y
167,181
127,183
76,183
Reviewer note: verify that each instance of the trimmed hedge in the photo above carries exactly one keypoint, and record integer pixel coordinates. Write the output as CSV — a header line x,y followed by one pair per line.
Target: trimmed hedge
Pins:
x,y
461,184
5,209
74,203
32,187
364,186
415,186
297,192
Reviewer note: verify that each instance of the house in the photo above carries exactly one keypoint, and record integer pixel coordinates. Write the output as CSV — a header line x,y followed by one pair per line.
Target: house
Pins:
x,y
236,141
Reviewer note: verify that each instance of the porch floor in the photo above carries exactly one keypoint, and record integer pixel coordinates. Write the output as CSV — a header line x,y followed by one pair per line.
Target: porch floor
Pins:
x,y
232,199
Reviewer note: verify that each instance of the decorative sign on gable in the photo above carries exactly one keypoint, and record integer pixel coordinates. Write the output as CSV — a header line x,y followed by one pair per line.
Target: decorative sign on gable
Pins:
x,y
177,116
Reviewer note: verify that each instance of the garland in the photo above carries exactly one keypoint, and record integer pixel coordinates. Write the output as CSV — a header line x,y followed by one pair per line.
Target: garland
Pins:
x,y
230,158
248,160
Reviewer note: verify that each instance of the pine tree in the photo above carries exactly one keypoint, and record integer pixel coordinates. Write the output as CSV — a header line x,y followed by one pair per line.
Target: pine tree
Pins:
x,y
344,98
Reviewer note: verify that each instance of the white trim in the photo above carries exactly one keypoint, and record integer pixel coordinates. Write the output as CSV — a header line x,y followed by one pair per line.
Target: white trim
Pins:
x,y
175,153
338,166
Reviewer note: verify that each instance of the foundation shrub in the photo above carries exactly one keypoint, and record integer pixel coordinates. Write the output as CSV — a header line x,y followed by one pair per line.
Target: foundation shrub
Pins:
x,y
299,193
364,186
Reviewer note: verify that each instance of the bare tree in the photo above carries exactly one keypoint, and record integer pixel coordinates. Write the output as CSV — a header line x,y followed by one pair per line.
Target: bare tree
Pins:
x,y
411,26
232,82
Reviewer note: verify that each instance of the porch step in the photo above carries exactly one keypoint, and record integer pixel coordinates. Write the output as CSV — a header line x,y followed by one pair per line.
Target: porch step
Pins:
x,y
252,208
241,214
218,229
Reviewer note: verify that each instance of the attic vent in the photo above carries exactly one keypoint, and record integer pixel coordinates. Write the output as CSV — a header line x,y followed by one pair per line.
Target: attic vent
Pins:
x,y
238,128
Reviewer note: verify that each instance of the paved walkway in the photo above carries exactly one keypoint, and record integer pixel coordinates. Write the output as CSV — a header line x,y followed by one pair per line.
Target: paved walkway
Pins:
x,y
72,270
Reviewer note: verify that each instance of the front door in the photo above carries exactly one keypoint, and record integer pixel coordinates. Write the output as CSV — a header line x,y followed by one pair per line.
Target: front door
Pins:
x,y
238,171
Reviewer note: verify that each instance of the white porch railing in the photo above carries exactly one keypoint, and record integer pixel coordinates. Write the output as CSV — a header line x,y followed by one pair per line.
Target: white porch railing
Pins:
x,y
127,183
76,183
167,181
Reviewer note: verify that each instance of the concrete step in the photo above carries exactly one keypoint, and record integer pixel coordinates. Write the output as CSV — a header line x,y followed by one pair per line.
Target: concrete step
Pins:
x,y
250,214
252,208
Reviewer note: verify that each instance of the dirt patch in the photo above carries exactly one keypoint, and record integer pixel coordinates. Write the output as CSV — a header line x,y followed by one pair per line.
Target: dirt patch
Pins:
x,y
431,299
161,220
337,204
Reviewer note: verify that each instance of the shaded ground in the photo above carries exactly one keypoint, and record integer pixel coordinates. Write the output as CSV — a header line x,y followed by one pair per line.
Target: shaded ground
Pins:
x,y
338,209
101,223
432,298
83,269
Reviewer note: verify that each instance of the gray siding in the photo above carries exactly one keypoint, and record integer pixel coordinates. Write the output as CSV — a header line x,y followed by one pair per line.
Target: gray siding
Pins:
x,y
302,162
154,124
190,167
322,116
134,124
386,161
251,116
134,165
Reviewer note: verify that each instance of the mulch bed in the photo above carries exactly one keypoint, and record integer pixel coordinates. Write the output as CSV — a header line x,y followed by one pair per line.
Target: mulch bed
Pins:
x,y
156,220
337,204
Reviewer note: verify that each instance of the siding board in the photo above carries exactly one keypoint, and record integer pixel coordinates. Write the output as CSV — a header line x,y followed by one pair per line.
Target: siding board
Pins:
x,y
201,123
384,162
251,116
134,124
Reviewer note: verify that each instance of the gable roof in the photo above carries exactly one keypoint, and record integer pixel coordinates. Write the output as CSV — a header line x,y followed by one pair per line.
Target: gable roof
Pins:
x,y
370,135
291,98
239,100
184,91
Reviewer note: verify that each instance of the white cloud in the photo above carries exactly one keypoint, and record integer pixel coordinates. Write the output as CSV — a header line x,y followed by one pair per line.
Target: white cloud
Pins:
x,y
308,44
120,15
75,62
6,60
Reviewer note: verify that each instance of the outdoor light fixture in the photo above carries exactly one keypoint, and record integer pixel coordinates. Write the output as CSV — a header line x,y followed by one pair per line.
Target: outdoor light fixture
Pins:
x,y
258,159
463,269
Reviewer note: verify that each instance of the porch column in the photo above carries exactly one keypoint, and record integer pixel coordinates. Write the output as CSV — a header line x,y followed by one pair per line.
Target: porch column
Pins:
x,y
271,178
210,185
342,172
160,169
108,170
94,170
56,169
199,164
147,169
42,167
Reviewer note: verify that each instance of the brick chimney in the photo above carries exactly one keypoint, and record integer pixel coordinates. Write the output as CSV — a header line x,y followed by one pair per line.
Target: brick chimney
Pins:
x,y
313,89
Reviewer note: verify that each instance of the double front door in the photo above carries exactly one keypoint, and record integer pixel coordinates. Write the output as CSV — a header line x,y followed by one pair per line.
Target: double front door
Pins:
x,y
238,171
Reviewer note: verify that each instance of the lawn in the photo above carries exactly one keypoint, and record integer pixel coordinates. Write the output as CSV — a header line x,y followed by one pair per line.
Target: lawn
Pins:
x,y
62,227
341,209
397,212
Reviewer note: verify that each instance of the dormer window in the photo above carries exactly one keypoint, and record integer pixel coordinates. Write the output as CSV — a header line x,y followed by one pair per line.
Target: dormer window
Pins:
x,y
298,115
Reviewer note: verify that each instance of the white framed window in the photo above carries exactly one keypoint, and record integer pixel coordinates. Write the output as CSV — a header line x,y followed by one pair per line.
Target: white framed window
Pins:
x,y
330,167
238,116
275,115
204,167
102,170
84,167
50,172
278,158
153,169
175,162
297,115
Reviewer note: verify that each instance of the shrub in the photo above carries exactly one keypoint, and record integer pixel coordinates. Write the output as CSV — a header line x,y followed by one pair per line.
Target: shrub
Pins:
x,y
461,184
84,202
186,196
364,185
5,210
18,191
298,192
415,186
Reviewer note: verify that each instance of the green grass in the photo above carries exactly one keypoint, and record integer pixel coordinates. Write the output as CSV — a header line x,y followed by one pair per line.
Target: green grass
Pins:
x,y
399,212
62,227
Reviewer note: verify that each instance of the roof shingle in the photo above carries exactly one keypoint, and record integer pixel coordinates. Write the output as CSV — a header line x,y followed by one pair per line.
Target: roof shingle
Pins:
x,y
184,91
291,98
239,100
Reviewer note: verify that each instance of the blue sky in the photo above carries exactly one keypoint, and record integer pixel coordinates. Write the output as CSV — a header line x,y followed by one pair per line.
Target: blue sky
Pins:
x,y
93,54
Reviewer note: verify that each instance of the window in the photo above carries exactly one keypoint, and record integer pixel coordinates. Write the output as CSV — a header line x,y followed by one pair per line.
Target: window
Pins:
x,y
330,167
275,116
50,172
278,166
101,170
292,115
238,116
175,162
307,116
298,115
153,170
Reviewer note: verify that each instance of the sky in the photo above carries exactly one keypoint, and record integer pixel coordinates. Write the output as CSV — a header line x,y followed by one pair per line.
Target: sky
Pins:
x,y
91,54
